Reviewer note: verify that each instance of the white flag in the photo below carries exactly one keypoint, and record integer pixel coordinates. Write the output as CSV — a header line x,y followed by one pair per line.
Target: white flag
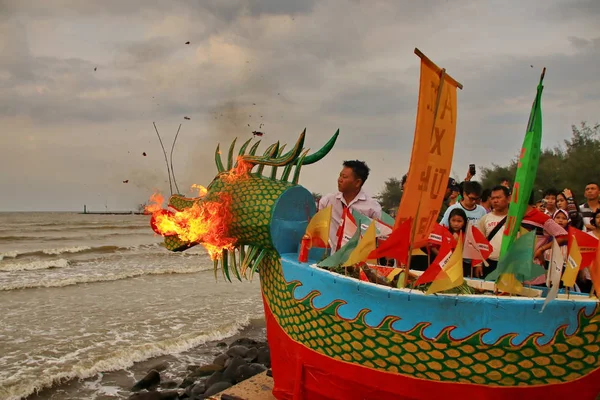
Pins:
x,y
555,269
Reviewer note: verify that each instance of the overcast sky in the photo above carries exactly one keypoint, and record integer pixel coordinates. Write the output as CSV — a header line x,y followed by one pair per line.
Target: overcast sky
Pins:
x,y
70,135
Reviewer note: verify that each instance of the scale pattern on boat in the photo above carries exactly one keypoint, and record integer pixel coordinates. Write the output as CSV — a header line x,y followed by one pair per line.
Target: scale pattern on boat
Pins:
x,y
565,358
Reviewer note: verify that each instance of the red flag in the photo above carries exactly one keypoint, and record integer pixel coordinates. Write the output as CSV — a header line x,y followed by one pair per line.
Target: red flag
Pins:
x,y
363,276
439,234
340,232
587,245
436,266
397,244
477,248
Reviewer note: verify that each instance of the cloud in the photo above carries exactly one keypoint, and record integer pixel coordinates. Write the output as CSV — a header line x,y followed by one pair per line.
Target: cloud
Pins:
x,y
575,9
274,66
579,43
135,54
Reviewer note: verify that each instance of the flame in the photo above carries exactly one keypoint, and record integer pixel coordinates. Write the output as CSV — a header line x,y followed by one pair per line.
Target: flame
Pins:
x,y
240,171
207,221
201,190
156,201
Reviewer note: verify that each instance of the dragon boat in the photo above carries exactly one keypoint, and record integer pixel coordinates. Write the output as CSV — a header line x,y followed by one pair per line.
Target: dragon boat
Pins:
x,y
335,337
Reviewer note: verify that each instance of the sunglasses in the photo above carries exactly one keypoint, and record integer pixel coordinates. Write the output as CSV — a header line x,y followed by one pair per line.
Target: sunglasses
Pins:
x,y
473,198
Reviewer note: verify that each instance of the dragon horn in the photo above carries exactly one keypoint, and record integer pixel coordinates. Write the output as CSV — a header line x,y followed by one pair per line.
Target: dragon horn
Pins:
x,y
299,167
218,161
287,158
274,171
254,148
230,155
244,146
269,153
318,155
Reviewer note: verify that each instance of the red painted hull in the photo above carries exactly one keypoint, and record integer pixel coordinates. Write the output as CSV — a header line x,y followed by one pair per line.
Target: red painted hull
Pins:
x,y
302,373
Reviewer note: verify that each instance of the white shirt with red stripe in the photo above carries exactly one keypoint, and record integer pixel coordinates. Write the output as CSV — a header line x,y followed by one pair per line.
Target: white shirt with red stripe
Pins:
x,y
362,203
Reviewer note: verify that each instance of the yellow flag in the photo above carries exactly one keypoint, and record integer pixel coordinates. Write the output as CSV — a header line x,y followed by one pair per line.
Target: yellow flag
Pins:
x,y
509,283
452,274
365,246
318,227
573,264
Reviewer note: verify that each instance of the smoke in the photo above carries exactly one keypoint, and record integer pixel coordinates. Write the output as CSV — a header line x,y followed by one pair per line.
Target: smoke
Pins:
x,y
225,122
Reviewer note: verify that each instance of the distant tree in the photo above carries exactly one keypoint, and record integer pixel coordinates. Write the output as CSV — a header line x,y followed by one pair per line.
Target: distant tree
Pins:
x,y
317,197
582,157
572,166
390,196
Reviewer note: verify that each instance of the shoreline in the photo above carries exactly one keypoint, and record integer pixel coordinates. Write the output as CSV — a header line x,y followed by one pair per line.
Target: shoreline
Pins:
x,y
174,368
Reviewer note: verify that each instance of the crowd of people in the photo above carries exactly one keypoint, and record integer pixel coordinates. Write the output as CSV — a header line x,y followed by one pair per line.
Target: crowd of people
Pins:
x,y
550,215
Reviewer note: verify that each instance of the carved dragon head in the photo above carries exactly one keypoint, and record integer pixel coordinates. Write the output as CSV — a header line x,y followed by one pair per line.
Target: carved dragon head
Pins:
x,y
244,214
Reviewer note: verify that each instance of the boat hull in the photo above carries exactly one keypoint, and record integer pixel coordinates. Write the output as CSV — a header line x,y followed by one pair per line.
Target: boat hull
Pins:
x,y
332,337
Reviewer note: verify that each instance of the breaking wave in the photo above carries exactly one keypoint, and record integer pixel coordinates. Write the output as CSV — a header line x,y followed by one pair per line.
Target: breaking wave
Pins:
x,y
35,265
76,249
77,279
16,388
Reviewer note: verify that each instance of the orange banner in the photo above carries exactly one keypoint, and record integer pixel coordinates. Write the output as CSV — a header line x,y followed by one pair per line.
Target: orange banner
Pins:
x,y
432,151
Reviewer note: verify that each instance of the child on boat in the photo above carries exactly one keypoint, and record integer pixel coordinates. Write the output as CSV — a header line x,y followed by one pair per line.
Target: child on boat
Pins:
x,y
566,201
457,225
457,222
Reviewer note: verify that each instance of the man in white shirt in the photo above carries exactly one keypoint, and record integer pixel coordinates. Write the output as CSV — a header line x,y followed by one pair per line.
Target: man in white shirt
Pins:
x,y
471,195
592,195
350,195
488,225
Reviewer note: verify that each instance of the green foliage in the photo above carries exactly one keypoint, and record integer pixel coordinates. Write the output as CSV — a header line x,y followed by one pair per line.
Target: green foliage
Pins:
x,y
570,166
390,196
317,196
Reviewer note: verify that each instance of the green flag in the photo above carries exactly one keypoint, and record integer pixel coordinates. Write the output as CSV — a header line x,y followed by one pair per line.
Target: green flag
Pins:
x,y
361,220
518,261
387,219
339,257
526,171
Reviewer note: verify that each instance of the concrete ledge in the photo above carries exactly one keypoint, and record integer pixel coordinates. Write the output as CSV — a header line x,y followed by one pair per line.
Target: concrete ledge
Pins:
x,y
259,387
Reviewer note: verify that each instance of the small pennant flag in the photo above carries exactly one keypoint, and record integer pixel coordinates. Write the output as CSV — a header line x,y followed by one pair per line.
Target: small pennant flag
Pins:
x,y
436,266
439,234
318,227
573,262
339,257
516,265
554,272
595,271
397,244
364,247
451,275
477,248
587,246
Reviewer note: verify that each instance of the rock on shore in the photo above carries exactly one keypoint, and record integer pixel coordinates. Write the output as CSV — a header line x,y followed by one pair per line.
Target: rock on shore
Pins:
x,y
234,363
